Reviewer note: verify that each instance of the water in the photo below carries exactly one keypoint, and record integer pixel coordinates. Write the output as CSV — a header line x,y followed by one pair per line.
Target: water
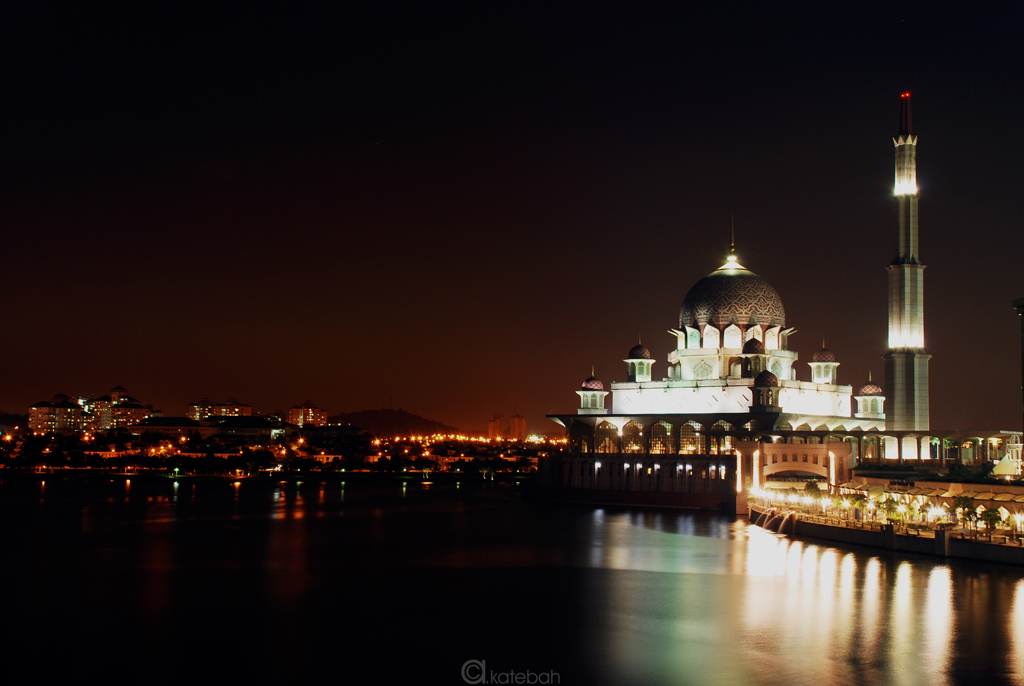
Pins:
x,y
284,582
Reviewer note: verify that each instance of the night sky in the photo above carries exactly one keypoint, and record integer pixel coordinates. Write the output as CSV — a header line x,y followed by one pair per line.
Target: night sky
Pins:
x,y
460,210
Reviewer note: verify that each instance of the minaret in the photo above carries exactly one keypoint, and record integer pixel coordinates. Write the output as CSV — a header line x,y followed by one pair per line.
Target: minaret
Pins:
x,y
906,363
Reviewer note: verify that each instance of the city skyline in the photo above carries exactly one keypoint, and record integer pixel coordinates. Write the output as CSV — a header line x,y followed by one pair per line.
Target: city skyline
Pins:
x,y
452,214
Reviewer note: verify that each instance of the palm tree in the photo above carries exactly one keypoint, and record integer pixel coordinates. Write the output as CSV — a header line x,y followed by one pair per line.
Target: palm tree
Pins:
x,y
965,505
991,517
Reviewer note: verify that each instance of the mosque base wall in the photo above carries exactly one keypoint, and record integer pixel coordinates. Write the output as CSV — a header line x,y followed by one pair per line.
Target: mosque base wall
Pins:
x,y
682,501
704,482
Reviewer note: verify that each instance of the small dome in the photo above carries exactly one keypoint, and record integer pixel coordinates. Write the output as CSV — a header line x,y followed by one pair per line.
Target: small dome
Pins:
x,y
753,347
639,352
870,389
824,355
766,378
593,384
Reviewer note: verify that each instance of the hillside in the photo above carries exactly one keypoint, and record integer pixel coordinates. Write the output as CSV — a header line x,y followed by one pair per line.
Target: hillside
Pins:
x,y
7,419
392,423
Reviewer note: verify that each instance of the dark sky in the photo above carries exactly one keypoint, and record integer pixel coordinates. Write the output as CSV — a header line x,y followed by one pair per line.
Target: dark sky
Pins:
x,y
462,208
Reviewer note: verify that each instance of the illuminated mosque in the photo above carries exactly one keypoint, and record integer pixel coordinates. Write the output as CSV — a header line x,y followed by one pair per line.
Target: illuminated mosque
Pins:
x,y
729,411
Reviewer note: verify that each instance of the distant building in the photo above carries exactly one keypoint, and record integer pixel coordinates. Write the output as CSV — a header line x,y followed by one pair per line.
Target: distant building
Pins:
x,y
255,430
115,410
518,428
494,427
229,408
182,426
129,413
59,415
307,414
63,414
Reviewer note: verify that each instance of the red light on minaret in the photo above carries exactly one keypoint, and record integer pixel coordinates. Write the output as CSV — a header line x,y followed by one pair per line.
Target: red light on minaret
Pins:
x,y
904,95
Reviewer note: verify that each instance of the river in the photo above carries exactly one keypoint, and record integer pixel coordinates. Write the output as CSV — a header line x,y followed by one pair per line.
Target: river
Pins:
x,y
117,580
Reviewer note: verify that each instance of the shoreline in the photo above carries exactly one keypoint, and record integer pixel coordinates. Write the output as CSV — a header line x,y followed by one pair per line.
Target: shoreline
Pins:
x,y
944,543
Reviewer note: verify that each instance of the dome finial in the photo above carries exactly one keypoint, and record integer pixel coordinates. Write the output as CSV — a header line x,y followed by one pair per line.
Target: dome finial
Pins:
x,y
869,375
730,261
592,370
732,238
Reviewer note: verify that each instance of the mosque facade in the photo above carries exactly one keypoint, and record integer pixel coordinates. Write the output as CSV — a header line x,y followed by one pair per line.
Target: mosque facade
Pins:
x,y
726,409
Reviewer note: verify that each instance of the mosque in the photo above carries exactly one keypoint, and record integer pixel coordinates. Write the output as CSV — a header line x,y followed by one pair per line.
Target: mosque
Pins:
x,y
729,412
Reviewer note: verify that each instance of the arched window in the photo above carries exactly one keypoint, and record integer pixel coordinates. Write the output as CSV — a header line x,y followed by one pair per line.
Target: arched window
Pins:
x,y
692,338
725,441
632,369
600,402
777,369
689,438
632,438
585,403
661,439
817,371
710,337
607,438
733,338
702,370
874,406
771,339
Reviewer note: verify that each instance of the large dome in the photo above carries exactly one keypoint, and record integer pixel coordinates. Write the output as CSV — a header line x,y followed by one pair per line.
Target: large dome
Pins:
x,y
732,294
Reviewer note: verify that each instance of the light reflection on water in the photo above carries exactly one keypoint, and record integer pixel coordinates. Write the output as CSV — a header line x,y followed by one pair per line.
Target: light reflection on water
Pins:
x,y
666,597
1017,629
797,613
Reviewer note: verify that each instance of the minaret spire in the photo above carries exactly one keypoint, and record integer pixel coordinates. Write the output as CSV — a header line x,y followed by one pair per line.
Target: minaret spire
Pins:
x,y
906,364
906,120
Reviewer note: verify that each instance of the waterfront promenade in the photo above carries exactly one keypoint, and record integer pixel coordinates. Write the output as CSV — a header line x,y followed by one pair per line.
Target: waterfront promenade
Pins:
x,y
997,545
